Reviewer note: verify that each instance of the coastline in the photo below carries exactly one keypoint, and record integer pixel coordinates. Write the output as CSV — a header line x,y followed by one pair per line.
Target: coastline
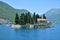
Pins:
x,y
17,26
30,26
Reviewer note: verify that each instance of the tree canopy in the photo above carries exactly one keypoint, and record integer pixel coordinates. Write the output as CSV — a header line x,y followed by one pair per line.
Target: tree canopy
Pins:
x,y
26,18
16,19
44,17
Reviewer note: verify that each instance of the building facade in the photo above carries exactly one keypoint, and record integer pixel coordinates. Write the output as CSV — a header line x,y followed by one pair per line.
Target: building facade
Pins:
x,y
43,22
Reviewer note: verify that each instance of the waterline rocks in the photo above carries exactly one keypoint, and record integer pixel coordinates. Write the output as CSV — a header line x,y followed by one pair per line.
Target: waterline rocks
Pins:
x,y
31,26
16,26
23,26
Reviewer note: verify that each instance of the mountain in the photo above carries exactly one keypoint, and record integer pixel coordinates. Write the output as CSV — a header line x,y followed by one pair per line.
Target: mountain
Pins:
x,y
53,15
8,12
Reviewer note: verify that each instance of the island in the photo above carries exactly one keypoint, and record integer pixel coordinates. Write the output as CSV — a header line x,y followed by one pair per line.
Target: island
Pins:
x,y
29,21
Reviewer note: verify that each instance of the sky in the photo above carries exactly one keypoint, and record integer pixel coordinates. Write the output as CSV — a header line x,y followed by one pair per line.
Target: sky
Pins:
x,y
38,6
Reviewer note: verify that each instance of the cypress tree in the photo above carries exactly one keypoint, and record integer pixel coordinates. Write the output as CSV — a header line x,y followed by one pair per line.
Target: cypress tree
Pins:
x,y
34,17
44,17
22,19
28,17
16,19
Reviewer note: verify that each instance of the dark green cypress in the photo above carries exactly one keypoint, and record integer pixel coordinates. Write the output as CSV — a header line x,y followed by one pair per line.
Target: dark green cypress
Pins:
x,y
16,19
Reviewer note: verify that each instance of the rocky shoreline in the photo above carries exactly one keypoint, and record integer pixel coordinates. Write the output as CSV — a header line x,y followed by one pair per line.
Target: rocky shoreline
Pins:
x,y
31,26
22,26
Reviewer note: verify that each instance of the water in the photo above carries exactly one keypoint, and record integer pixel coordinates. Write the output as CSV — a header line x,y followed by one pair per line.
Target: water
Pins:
x,y
8,33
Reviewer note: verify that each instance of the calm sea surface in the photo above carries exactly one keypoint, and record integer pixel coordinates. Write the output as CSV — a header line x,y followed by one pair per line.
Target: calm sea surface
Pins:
x,y
8,33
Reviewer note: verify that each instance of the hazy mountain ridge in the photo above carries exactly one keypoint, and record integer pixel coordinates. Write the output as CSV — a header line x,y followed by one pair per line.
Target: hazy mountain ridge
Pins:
x,y
8,12
53,15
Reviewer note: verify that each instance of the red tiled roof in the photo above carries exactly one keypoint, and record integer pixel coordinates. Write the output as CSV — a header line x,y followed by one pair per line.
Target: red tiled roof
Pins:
x,y
40,19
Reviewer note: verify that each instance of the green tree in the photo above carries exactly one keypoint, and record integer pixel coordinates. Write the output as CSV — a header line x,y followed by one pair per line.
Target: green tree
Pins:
x,y
34,17
38,16
32,21
28,17
22,19
16,19
44,17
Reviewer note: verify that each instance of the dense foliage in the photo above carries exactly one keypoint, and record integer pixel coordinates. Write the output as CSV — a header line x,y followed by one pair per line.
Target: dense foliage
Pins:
x,y
44,17
27,18
8,12
17,19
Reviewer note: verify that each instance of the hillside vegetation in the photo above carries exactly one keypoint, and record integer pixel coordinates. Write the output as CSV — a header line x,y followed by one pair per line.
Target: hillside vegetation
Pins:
x,y
8,12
